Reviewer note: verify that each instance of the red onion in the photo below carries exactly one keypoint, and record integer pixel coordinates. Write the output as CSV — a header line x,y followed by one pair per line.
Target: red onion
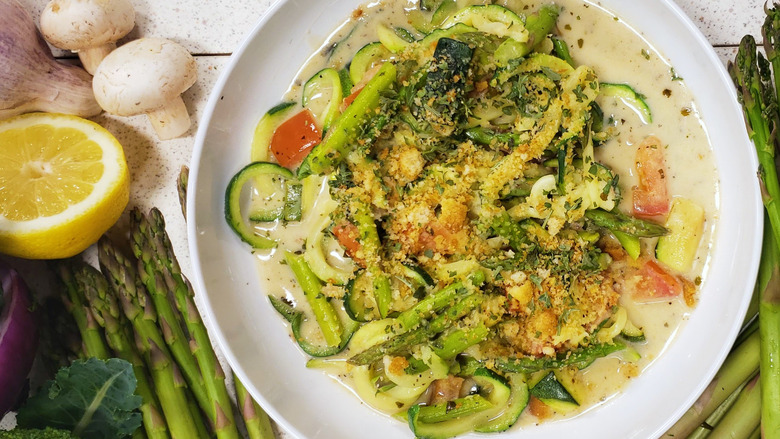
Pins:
x,y
18,337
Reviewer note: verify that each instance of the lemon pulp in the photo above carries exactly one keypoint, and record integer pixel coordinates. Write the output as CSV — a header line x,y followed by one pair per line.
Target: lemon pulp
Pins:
x,y
63,182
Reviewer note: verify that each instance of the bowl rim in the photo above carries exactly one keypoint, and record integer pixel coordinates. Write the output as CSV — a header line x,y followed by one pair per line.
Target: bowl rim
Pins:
x,y
193,232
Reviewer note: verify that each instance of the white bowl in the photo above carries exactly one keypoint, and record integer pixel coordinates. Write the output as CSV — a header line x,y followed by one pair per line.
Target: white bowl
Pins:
x,y
308,403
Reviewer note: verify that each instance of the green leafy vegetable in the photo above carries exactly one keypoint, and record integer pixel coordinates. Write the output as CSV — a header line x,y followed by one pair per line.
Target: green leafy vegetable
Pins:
x,y
48,433
91,398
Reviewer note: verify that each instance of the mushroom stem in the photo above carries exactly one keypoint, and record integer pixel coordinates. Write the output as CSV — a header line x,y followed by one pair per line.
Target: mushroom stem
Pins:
x,y
91,57
171,120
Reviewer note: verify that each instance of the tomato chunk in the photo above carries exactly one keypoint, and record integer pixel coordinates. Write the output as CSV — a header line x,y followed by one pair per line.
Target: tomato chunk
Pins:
x,y
650,196
357,88
539,409
294,138
655,283
347,235
349,99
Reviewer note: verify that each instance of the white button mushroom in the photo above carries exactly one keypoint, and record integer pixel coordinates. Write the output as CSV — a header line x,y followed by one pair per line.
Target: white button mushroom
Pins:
x,y
147,76
89,27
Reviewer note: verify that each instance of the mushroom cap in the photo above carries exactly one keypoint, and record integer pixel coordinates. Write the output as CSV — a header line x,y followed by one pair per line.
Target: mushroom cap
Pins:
x,y
83,24
143,76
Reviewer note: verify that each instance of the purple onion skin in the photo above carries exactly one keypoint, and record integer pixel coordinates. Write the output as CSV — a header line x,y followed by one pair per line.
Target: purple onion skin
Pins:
x,y
18,337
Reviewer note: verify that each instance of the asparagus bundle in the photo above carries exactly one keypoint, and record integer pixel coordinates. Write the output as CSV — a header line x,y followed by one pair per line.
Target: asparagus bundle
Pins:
x,y
752,76
161,273
175,338
142,310
171,388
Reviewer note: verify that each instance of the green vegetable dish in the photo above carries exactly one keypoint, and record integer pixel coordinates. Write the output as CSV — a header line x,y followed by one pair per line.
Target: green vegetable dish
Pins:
x,y
480,214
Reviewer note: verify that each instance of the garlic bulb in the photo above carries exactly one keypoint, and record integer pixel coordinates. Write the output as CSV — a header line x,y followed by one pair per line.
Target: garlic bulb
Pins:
x,y
30,78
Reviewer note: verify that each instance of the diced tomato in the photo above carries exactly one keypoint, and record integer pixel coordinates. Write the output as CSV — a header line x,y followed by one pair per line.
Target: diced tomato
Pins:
x,y
357,88
294,138
539,409
650,196
347,235
655,283
349,99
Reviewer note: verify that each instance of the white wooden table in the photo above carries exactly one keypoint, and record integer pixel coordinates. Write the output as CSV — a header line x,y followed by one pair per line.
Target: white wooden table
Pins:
x,y
212,29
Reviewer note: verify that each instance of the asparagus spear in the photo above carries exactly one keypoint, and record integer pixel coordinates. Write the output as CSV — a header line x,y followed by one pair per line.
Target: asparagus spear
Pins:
x,y
137,307
60,337
771,33
324,312
769,301
394,345
258,424
74,275
93,343
741,364
195,412
157,262
621,222
743,417
422,334
769,330
371,247
705,428
451,344
561,50
752,76
722,409
438,300
181,188
580,358
484,136
752,79
538,25
106,311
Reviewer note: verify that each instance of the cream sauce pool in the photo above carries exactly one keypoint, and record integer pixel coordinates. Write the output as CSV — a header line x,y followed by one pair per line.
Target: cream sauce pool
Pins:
x,y
619,54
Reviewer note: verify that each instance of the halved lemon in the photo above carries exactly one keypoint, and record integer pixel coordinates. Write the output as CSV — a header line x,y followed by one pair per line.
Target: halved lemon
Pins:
x,y
63,183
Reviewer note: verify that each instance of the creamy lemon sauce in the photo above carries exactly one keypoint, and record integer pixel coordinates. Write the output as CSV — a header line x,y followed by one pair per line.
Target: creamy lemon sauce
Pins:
x,y
618,54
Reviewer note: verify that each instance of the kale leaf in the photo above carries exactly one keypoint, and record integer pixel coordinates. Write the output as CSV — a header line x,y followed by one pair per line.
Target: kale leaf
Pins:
x,y
93,399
